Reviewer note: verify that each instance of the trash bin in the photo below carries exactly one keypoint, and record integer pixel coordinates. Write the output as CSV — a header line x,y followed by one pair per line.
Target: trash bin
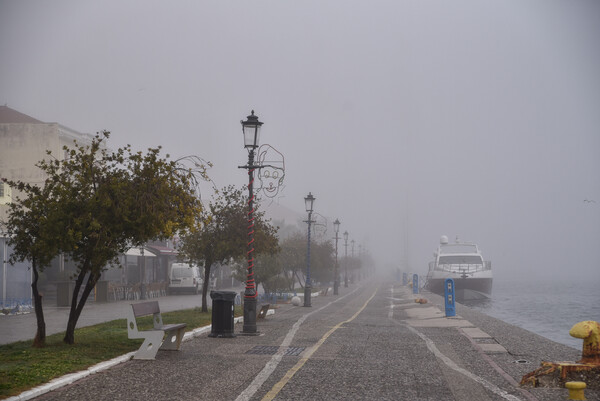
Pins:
x,y
222,313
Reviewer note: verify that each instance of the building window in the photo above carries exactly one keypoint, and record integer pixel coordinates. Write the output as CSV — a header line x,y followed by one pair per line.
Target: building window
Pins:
x,y
4,193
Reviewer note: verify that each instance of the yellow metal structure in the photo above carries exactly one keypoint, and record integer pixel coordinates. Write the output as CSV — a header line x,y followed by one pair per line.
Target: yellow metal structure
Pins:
x,y
589,331
576,390
557,374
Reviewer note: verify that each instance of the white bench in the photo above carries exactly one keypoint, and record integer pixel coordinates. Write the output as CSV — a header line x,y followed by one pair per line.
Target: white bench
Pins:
x,y
153,338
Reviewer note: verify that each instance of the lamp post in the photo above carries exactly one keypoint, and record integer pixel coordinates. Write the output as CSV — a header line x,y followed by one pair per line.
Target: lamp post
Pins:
x,y
353,264
251,131
143,275
309,200
346,260
336,278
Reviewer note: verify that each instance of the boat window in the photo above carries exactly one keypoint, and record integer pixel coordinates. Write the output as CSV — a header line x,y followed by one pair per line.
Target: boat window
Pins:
x,y
459,248
460,260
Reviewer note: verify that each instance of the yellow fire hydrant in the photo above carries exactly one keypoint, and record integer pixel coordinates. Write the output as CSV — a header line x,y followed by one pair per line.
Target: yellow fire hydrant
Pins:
x,y
575,390
589,331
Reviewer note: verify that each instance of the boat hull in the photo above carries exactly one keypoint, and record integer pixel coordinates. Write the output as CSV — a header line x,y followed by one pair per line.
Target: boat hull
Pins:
x,y
465,289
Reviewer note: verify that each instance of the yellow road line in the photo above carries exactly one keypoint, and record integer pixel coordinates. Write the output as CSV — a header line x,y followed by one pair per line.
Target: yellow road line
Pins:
x,y
290,373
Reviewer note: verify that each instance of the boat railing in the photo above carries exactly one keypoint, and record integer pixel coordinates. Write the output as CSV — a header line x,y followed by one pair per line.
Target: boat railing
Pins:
x,y
467,268
463,268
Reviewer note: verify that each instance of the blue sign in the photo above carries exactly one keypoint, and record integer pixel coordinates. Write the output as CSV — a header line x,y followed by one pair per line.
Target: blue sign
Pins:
x,y
449,297
415,283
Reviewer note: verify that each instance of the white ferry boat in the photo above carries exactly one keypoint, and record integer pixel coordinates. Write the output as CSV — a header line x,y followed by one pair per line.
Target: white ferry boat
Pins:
x,y
462,262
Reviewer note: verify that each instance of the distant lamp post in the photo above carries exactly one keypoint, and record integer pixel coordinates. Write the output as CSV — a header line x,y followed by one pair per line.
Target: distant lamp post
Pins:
x,y
143,275
251,130
346,259
336,274
353,264
309,201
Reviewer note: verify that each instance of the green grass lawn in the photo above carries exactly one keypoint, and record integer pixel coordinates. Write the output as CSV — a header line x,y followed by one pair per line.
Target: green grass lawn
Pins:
x,y
23,367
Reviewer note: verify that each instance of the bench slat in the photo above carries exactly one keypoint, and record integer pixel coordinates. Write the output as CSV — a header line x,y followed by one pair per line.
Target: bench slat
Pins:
x,y
145,308
169,327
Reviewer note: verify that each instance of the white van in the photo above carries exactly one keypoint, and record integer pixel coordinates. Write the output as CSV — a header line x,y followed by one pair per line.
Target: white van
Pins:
x,y
185,278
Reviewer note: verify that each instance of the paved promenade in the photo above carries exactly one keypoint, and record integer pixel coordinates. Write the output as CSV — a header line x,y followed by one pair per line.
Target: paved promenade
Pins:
x,y
371,342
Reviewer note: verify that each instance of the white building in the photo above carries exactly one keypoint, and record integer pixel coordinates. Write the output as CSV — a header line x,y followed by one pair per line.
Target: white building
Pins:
x,y
24,141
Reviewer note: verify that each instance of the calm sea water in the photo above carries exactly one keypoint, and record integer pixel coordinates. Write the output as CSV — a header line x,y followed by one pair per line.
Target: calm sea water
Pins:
x,y
548,308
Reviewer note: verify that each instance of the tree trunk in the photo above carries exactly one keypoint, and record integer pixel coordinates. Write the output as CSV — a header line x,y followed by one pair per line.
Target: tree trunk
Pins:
x,y
299,280
40,336
77,307
207,264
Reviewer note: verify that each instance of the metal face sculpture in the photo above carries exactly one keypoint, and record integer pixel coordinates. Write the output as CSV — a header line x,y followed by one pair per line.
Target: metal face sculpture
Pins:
x,y
271,170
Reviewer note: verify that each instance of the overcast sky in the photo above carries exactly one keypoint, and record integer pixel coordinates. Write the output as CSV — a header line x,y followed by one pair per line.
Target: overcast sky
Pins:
x,y
407,120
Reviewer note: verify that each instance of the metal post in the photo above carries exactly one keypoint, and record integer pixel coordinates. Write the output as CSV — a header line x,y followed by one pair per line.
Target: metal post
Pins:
x,y
4,263
143,278
346,261
355,267
336,278
308,286
250,293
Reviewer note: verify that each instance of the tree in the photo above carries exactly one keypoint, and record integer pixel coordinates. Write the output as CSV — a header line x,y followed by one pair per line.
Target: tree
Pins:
x,y
101,203
322,261
292,258
32,233
270,272
221,234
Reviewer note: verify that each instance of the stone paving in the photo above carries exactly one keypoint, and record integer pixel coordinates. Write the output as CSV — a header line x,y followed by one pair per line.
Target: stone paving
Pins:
x,y
371,342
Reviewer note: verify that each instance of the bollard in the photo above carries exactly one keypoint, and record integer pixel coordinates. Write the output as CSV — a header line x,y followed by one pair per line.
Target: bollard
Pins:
x,y
589,331
415,284
449,297
576,390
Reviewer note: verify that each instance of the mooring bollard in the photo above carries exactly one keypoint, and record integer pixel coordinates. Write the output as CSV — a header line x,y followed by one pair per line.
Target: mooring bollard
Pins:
x,y
449,297
589,331
415,283
576,390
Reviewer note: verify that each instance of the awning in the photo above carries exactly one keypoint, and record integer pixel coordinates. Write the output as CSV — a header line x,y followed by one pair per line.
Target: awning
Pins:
x,y
163,250
138,252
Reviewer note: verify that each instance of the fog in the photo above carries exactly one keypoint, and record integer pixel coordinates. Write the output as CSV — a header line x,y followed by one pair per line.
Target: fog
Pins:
x,y
407,120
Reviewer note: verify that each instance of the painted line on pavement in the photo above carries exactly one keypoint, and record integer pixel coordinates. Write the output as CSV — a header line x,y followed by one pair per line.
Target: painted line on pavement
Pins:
x,y
452,365
290,373
270,367
498,369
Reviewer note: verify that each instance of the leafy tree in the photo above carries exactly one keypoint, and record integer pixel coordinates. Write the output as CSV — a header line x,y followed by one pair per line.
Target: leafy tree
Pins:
x,y
292,258
322,261
271,273
32,233
222,233
101,203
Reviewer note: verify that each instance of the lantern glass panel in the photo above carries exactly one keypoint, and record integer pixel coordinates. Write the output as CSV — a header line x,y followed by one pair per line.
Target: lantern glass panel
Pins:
x,y
308,202
251,136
